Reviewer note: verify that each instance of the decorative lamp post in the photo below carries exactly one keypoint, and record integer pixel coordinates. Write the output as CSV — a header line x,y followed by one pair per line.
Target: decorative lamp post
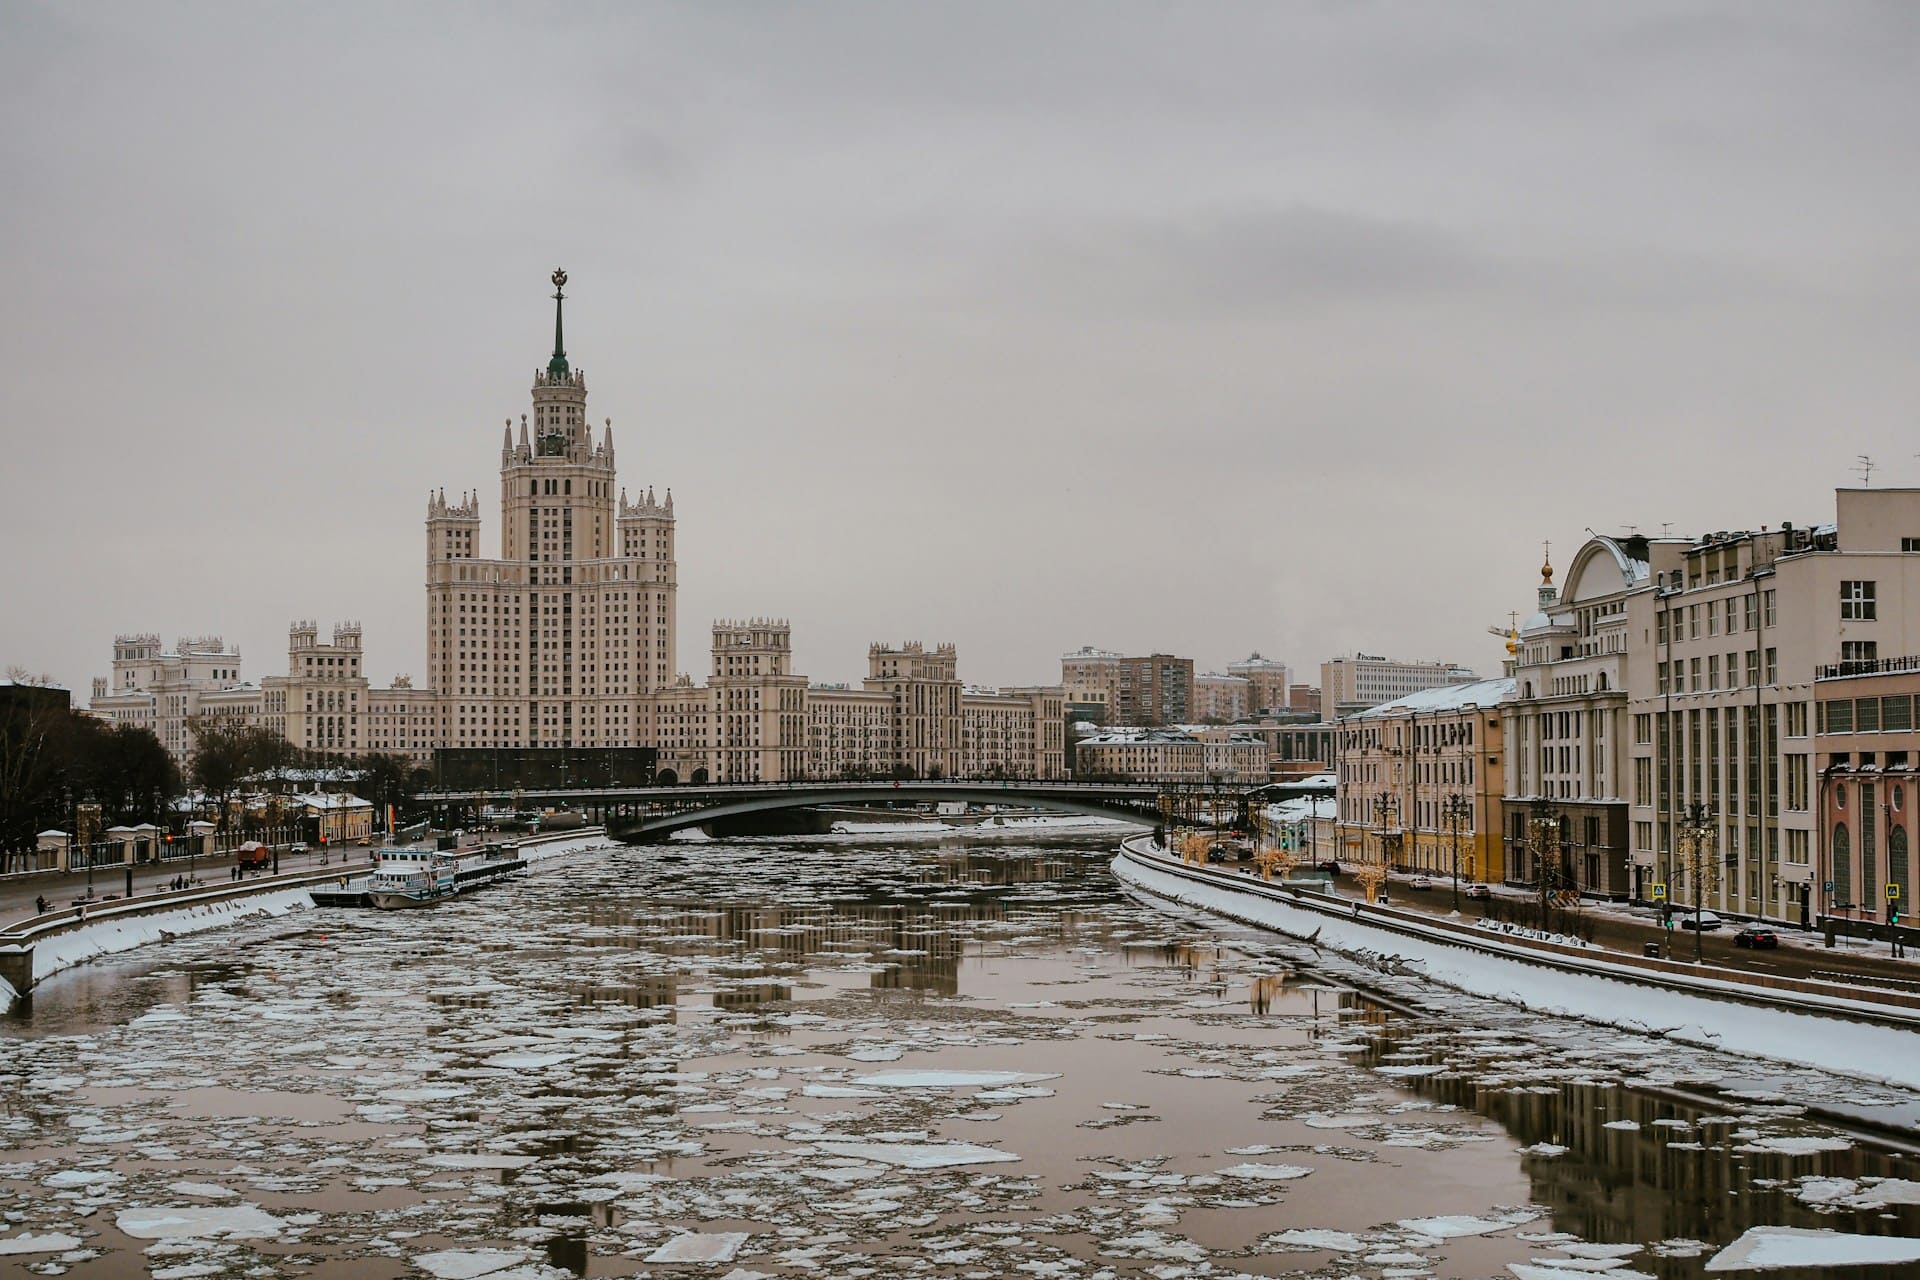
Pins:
x,y
1543,843
1455,810
1697,860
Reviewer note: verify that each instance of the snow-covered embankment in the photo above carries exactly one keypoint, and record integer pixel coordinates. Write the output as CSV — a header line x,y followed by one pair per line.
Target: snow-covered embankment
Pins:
x,y
111,934
1831,1041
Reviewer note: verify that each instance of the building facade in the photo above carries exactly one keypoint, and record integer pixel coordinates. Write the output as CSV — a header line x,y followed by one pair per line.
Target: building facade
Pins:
x,y
1566,725
1866,764
1269,684
1221,699
1194,755
1354,682
1421,772
1151,690
553,642
1734,627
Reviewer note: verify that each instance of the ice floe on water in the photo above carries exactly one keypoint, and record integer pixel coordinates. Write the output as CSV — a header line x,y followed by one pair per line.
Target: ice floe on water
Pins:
x,y
767,1059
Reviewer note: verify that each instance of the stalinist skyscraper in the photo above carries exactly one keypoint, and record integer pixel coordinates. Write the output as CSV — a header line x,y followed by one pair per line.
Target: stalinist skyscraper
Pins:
x,y
551,644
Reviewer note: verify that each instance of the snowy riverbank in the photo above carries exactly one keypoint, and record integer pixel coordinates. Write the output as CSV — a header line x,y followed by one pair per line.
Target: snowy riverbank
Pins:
x,y
112,935
1829,1041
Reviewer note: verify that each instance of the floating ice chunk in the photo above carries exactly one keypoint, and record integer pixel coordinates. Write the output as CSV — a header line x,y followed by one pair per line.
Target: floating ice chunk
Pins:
x,y
1429,1069
477,1160
918,1155
1544,1149
467,1264
51,1242
839,1091
1447,1228
1319,1238
1266,1172
524,1061
1772,1248
906,1079
236,1222
80,1178
205,1190
876,1053
1621,1124
699,1246
1572,1269
427,1093
1796,1146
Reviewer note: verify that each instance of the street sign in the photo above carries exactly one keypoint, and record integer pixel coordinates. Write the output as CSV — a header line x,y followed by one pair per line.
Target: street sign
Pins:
x,y
1659,891
1893,893
1827,887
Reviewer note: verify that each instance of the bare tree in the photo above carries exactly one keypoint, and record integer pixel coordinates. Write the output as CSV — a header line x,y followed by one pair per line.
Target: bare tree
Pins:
x,y
33,759
225,755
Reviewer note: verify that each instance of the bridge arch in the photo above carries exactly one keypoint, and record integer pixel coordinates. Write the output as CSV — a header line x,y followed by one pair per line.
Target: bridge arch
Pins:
x,y
701,811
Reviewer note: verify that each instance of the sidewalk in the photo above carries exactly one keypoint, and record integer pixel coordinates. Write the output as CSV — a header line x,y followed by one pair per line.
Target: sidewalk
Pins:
x,y
62,888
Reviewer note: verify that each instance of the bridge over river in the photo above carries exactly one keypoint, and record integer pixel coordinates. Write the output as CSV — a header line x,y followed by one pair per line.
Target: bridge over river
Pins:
x,y
640,813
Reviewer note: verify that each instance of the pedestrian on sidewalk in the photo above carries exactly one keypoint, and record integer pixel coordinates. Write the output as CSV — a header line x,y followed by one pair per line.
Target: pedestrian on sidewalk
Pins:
x,y
40,905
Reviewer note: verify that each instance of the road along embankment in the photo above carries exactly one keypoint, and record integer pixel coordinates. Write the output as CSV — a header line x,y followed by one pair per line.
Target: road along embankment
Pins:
x,y
36,947
1827,1025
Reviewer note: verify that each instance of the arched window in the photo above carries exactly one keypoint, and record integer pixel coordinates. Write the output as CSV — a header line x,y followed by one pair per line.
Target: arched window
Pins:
x,y
1842,864
1897,869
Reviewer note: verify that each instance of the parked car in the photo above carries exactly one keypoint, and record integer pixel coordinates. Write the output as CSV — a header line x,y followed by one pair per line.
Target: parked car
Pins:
x,y
1479,892
1420,882
1758,937
1707,920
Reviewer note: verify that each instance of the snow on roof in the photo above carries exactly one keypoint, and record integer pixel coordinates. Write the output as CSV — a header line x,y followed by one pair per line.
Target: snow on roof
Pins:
x,y
332,800
1447,697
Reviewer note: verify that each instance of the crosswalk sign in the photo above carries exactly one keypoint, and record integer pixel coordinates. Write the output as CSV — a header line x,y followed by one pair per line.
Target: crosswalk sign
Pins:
x,y
1659,891
1893,893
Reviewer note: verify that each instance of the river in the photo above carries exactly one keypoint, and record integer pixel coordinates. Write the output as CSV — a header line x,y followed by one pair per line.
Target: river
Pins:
x,y
879,1056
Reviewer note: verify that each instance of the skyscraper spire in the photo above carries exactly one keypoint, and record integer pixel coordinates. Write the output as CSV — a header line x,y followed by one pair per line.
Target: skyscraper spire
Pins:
x,y
557,367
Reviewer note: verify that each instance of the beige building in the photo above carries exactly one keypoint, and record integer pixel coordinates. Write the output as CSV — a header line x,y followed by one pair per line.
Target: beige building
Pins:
x,y
1269,684
556,641
1150,690
1734,626
1221,699
1567,727
1190,754
1357,681
1418,771
912,717
323,704
164,693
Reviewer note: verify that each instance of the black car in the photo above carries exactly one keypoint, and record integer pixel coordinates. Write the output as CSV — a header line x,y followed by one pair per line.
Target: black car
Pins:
x,y
1757,937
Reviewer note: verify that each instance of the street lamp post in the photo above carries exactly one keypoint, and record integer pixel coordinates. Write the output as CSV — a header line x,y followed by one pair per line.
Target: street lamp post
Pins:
x,y
1696,844
1455,809
1543,842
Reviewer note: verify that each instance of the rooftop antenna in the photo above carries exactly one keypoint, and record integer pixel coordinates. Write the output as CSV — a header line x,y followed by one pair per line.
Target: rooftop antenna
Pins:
x,y
1864,465
1666,528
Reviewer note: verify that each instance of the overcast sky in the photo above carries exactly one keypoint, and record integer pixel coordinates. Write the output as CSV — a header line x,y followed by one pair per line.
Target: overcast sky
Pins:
x,y
1294,327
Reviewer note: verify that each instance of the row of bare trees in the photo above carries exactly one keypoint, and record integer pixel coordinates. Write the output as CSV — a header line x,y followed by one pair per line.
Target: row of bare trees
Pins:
x,y
53,758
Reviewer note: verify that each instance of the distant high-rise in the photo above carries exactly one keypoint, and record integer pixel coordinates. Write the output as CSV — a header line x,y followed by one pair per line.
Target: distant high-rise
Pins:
x,y
551,643
1361,680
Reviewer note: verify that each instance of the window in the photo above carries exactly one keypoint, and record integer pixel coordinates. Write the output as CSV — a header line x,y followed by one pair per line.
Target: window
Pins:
x,y
1796,719
1766,608
1732,621
1910,544
1866,715
1896,714
1839,716
1773,666
1660,627
1857,599
1713,671
1859,650
1753,612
